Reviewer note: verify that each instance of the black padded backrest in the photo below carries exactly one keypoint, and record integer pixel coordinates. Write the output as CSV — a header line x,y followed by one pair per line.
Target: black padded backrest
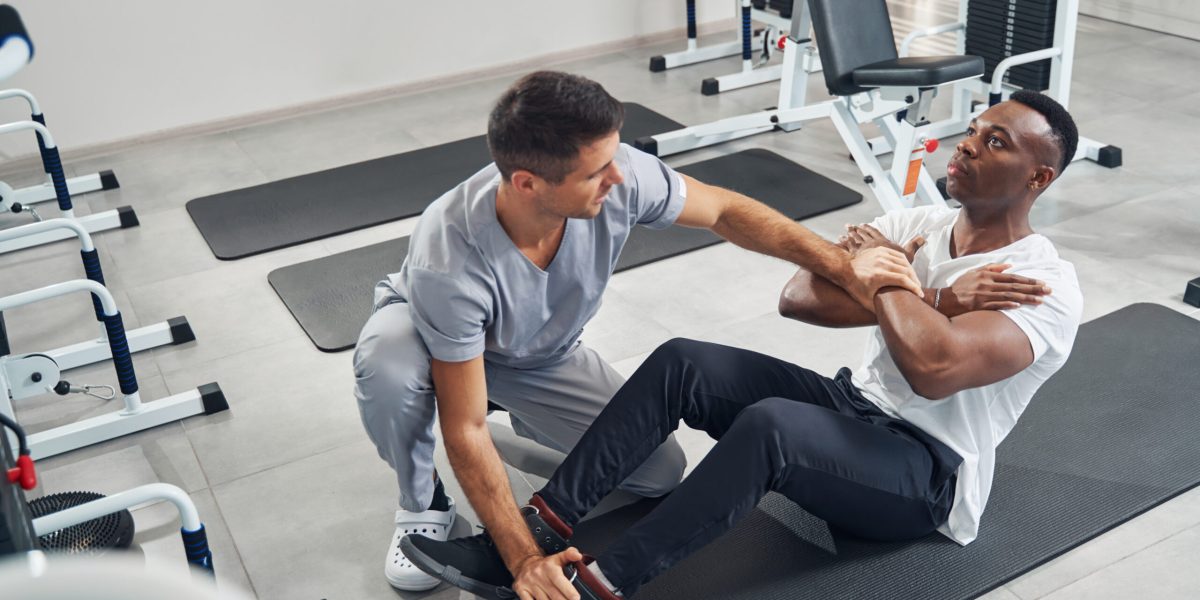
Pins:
x,y
850,34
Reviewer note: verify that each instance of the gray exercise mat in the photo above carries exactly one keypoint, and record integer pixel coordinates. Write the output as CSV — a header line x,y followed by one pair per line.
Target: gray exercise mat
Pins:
x,y
292,211
1113,434
331,296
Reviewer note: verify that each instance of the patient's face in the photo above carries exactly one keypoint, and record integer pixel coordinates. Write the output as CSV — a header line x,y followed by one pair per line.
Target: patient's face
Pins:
x,y
1000,155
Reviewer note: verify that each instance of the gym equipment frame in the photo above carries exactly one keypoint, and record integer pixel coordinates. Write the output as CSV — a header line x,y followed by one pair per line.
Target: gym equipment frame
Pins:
x,y
26,375
766,40
995,29
894,93
172,332
35,194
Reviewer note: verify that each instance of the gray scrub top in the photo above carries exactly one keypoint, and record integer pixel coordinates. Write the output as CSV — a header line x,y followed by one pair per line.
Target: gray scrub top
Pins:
x,y
472,292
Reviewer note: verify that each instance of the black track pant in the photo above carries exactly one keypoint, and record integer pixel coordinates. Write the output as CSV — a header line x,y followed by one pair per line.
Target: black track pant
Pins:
x,y
779,428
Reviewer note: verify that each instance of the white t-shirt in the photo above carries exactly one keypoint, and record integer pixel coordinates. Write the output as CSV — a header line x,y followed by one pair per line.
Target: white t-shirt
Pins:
x,y
974,421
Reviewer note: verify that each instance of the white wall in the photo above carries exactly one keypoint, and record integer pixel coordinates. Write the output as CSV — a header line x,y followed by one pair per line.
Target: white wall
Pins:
x,y
122,69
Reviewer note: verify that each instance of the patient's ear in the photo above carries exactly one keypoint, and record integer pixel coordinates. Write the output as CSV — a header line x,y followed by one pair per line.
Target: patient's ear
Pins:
x,y
1042,177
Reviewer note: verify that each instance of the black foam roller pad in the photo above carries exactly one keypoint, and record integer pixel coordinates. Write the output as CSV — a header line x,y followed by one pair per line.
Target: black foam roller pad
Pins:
x,y
12,26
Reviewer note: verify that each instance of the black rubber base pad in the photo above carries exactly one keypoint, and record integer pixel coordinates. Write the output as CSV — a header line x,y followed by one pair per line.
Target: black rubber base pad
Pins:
x,y
331,296
301,209
1113,434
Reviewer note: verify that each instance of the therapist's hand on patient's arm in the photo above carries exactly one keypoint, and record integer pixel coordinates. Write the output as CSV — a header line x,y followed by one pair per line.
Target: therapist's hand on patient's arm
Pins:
x,y
878,268
860,238
542,577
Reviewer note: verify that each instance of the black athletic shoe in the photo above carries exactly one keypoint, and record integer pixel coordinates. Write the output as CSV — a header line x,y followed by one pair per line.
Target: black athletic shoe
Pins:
x,y
470,563
474,563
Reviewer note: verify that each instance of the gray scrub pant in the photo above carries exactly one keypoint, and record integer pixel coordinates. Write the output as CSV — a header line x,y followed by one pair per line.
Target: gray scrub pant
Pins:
x,y
552,405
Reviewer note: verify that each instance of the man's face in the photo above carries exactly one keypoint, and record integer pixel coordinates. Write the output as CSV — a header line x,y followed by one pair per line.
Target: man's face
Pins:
x,y
581,193
1003,150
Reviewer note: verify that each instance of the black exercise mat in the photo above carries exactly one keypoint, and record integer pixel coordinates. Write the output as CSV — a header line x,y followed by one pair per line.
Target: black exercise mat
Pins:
x,y
331,296
1110,436
301,209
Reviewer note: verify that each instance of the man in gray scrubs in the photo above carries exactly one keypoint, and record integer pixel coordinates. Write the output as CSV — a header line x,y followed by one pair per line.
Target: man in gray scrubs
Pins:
x,y
502,274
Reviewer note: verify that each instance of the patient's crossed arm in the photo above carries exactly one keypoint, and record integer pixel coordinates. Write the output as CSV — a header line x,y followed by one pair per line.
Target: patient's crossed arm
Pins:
x,y
963,343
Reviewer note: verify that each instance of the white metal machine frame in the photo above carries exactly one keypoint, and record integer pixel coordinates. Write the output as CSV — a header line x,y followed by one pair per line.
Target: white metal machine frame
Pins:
x,y
906,181
110,219
765,41
167,333
899,186
27,375
1062,60
44,192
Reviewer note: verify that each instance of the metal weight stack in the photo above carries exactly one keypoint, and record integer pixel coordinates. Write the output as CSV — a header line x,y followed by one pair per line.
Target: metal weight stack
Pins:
x,y
998,29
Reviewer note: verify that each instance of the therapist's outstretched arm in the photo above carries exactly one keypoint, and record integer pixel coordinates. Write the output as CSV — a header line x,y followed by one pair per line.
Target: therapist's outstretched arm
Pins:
x,y
758,227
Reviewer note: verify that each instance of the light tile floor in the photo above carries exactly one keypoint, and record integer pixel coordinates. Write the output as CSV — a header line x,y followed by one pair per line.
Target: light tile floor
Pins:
x,y
296,501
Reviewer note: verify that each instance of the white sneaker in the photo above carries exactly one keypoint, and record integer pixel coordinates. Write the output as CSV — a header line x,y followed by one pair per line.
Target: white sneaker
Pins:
x,y
400,572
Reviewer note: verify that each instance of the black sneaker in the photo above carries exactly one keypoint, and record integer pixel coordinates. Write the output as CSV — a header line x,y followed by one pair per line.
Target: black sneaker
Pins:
x,y
470,563
474,563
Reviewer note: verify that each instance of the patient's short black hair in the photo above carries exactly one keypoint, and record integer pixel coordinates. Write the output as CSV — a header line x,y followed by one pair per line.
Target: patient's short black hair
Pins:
x,y
540,123
1062,127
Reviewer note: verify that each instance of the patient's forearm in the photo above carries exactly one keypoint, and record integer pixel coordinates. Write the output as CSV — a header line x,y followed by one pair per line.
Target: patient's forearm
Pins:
x,y
920,340
810,298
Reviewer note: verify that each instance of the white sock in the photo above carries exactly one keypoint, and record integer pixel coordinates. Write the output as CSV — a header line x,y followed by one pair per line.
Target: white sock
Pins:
x,y
595,569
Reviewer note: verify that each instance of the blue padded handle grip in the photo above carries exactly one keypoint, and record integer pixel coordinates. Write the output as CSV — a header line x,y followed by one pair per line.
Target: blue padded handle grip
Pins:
x,y
41,118
122,359
691,19
53,165
195,547
91,266
746,54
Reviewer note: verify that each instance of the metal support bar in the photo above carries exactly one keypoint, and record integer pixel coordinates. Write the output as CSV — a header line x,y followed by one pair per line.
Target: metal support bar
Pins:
x,y
44,192
110,219
34,108
927,32
107,505
1016,60
96,350
138,417
747,78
